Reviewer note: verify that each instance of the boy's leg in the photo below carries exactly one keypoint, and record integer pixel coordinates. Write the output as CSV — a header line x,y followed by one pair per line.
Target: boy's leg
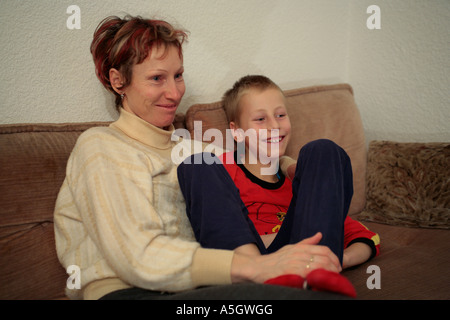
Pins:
x,y
214,207
322,190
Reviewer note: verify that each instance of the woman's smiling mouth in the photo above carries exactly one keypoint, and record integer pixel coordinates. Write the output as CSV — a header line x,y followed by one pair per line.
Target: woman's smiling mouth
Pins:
x,y
168,106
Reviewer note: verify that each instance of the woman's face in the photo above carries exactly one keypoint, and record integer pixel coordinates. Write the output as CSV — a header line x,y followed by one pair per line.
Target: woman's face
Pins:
x,y
156,87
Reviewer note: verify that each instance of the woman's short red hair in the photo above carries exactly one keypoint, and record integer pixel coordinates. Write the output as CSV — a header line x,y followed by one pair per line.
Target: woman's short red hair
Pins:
x,y
122,43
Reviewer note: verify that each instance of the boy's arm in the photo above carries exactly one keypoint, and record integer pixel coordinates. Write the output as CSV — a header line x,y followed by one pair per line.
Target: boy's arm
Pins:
x,y
355,254
360,243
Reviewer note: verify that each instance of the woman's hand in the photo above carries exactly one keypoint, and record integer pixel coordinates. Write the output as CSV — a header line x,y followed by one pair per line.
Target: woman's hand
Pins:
x,y
299,259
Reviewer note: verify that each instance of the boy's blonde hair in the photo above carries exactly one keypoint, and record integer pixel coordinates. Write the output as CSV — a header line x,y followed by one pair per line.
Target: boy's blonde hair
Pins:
x,y
232,97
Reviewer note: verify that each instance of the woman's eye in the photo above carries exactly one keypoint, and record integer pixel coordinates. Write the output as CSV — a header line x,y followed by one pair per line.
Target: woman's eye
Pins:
x,y
179,77
155,78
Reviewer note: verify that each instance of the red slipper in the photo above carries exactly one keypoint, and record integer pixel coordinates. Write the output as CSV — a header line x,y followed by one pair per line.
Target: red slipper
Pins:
x,y
323,280
287,280
317,280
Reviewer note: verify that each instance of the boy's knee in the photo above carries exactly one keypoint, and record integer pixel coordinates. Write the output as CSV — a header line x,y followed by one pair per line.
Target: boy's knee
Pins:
x,y
324,148
321,145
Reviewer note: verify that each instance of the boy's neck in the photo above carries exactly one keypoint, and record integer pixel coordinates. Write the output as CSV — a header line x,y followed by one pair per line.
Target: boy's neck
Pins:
x,y
257,168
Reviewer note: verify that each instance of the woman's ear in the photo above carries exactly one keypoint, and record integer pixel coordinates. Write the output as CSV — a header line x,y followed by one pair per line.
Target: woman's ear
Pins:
x,y
116,80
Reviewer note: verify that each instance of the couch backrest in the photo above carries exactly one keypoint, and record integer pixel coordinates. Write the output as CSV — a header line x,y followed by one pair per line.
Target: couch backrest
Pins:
x,y
316,112
32,168
33,160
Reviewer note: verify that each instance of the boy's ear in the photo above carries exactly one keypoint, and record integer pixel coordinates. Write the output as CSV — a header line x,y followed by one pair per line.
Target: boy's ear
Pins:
x,y
236,132
116,80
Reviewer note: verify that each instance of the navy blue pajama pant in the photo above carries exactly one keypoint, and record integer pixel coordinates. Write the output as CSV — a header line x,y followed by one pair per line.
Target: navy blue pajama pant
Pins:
x,y
322,190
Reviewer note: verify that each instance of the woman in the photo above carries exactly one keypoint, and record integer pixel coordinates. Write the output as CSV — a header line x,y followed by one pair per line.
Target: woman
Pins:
x,y
120,215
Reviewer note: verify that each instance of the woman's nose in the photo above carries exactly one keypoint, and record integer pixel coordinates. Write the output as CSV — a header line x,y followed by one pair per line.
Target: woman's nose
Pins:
x,y
174,90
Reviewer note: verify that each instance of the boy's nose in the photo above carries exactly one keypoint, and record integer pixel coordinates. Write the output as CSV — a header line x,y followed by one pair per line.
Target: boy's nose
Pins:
x,y
273,124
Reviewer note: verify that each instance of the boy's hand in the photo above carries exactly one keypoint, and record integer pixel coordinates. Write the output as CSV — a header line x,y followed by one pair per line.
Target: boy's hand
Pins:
x,y
291,171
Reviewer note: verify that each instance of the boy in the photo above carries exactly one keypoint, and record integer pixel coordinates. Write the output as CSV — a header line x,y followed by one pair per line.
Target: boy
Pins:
x,y
255,102
268,211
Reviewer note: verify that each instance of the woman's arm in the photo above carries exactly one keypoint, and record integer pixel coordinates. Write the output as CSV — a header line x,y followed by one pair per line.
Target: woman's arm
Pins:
x,y
107,223
291,259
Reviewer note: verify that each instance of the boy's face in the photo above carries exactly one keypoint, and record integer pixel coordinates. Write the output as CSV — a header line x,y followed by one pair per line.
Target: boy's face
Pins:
x,y
263,118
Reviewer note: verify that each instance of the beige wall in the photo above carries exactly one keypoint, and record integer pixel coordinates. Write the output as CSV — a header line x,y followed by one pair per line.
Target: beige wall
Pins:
x,y
399,73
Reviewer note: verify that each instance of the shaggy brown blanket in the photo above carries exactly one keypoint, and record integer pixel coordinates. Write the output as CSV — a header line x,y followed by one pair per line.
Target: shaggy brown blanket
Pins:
x,y
408,184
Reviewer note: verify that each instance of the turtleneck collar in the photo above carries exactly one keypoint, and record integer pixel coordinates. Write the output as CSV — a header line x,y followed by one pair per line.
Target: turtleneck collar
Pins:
x,y
144,132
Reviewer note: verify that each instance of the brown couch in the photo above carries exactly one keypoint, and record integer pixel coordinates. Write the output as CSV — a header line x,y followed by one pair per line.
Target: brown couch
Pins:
x,y
401,191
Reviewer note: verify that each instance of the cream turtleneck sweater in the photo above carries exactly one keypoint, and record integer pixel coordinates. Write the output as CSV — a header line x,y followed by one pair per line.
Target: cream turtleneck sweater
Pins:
x,y
121,218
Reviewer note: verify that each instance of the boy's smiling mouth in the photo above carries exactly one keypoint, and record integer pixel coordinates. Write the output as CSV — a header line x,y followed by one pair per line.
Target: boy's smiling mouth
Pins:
x,y
274,139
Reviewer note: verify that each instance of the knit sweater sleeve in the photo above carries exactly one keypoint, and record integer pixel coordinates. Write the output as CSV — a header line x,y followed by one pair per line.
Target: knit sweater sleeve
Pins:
x,y
106,221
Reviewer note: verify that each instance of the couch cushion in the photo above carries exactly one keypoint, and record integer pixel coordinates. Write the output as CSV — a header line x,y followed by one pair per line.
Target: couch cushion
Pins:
x,y
179,122
32,168
316,112
408,184
208,116
413,264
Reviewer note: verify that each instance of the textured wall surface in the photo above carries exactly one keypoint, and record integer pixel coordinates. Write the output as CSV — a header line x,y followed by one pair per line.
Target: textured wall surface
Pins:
x,y
399,73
